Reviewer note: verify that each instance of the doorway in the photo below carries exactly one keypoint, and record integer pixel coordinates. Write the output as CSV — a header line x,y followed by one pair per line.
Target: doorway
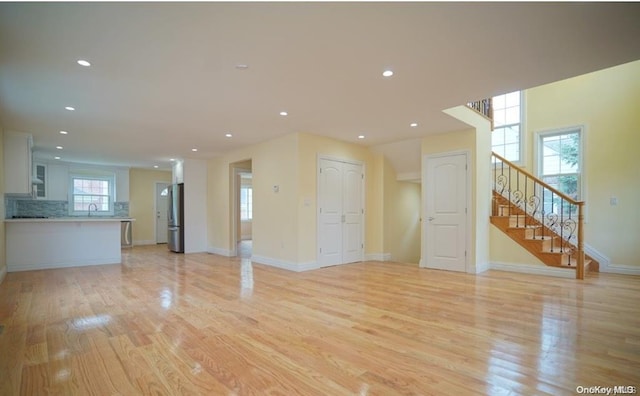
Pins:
x,y
245,225
340,212
161,212
445,230
242,211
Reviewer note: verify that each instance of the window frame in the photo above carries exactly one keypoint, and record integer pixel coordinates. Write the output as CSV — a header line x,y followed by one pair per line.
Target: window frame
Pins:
x,y
249,206
109,178
539,152
522,131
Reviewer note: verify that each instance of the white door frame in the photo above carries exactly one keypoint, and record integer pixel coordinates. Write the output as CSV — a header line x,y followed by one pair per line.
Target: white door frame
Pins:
x,y
155,207
468,229
319,158
235,208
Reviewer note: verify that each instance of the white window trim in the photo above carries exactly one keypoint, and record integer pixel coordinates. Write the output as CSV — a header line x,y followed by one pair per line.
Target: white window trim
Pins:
x,y
523,131
537,163
97,176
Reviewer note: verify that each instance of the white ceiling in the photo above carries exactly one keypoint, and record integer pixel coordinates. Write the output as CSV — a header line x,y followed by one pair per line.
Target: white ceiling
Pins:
x,y
163,76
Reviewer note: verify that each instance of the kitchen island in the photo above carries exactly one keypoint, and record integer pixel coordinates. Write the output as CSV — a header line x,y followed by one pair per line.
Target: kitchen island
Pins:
x,y
33,244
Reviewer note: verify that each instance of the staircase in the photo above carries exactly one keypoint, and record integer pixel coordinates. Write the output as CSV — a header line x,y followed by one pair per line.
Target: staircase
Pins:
x,y
543,220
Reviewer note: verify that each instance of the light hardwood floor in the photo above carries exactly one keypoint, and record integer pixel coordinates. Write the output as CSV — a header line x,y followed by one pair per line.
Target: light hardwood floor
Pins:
x,y
170,324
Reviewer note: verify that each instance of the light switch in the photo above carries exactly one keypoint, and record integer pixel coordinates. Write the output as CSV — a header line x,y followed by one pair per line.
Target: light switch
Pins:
x,y
613,201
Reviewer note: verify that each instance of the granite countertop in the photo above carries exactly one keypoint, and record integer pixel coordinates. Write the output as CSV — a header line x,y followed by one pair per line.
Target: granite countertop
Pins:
x,y
69,219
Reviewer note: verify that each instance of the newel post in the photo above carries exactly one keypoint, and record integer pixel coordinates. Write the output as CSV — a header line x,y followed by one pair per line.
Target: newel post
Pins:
x,y
580,268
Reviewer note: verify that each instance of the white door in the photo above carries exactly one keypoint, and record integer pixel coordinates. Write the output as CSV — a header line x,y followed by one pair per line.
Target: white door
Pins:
x,y
161,212
445,225
340,212
352,210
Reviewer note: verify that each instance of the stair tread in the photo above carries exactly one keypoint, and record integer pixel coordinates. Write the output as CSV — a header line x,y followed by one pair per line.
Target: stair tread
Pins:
x,y
557,251
512,219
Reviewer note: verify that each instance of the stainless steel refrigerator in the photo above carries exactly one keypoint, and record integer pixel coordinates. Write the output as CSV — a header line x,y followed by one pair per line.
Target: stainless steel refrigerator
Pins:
x,y
175,218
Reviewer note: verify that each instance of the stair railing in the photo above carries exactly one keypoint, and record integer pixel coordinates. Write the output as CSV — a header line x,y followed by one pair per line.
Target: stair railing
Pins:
x,y
547,211
484,107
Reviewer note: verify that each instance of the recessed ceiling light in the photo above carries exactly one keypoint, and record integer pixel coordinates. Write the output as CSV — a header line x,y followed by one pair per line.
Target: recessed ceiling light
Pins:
x,y
83,62
64,132
194,149
70,108
414,124
284,113
172,159
242,66
155,166
56,158
228,135
360,136
387,73
59,147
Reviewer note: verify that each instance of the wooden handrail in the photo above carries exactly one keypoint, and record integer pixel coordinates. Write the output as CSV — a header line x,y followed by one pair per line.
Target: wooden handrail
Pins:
x,y
580,256
555,191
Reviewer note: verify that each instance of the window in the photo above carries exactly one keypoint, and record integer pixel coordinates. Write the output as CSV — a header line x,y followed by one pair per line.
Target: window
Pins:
x,y
560,159
506,138
246,203
91,194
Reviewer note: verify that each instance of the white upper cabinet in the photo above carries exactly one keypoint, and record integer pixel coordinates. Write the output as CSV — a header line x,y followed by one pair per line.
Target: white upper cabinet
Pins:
x,y
17,163
40,174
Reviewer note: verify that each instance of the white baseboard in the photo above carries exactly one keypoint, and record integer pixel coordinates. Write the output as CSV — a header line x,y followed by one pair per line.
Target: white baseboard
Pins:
x,y
64,264
533,269
219,251
479,268
377,257
620,269
607,266
598,256
482,267
287,265
143,242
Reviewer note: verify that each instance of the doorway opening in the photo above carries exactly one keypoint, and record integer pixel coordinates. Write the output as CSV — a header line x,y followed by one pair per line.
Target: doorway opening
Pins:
x,y
161,210
242,199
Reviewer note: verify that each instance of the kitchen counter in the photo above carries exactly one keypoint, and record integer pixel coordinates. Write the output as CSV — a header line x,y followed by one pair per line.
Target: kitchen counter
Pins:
x,y
68,219
60,242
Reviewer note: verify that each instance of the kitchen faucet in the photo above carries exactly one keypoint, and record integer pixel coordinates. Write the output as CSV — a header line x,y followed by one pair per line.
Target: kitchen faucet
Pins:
x,y
95,208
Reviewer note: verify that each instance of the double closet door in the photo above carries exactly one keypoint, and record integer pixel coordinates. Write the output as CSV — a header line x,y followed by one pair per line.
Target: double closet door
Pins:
x,y
340,212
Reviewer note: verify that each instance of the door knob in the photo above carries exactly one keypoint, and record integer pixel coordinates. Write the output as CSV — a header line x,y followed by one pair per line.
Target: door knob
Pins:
x,y
431,218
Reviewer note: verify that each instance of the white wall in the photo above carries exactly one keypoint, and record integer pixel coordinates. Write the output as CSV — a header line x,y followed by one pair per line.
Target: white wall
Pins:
x,y
178,172
122,184
195,205
477,141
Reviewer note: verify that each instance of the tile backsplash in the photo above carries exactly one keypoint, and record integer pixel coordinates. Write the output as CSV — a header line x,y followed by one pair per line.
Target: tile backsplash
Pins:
x,y
47,208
